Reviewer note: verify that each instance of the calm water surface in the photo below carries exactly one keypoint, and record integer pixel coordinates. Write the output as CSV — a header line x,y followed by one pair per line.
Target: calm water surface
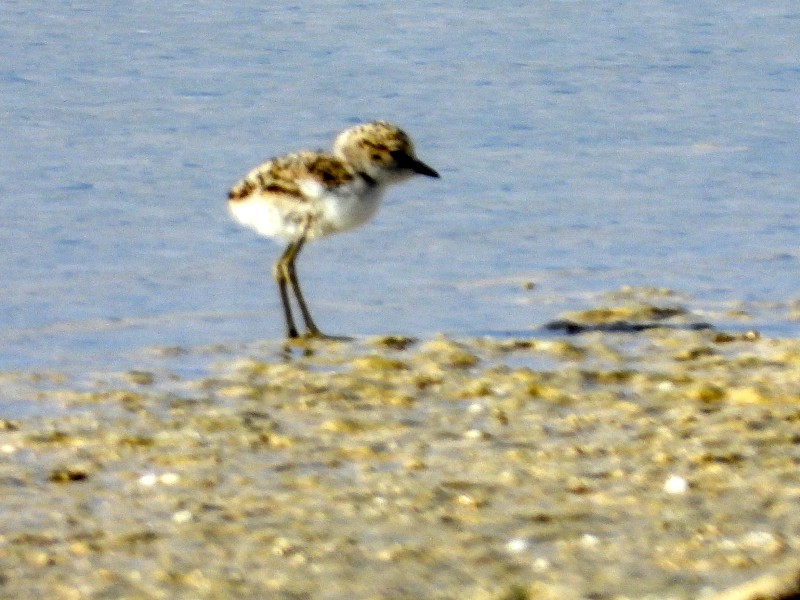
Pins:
x,y
583,146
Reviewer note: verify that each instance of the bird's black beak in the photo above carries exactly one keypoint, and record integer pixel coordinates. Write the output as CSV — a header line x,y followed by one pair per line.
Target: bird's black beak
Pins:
x,y
413,164
420,167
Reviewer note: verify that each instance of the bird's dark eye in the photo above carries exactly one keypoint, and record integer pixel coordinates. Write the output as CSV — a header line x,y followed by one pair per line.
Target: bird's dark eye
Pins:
x,y
400,158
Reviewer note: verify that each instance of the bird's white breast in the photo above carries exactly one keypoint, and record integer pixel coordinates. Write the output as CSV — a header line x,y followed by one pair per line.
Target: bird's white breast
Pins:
x,y
348,206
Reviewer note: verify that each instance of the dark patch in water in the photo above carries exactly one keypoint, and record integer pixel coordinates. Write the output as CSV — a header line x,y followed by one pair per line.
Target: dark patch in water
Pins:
x,y
573,327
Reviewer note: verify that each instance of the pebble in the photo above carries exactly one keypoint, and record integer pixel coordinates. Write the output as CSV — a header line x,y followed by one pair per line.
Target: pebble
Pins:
x,y
676,485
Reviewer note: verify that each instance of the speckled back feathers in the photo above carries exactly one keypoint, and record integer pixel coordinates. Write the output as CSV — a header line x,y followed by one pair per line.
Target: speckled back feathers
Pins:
x,y
281,175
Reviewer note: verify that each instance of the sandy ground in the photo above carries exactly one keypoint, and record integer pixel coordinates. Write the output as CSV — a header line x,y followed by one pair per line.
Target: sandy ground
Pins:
x,y
659,460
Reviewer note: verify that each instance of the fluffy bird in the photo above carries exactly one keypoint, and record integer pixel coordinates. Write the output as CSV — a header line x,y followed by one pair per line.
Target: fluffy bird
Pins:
x,y
303,196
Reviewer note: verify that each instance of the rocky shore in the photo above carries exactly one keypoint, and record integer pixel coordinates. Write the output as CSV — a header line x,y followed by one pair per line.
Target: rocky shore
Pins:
x,y
637,453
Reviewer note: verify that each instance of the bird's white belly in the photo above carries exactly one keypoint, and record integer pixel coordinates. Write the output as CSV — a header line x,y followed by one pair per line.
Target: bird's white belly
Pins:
x,y
269,219
321,213
343,211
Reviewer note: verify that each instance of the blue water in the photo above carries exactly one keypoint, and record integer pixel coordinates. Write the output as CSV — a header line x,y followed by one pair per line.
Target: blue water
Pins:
x,y
583,146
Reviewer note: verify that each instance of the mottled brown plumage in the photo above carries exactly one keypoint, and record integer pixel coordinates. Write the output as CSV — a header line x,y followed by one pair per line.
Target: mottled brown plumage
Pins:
x,y
282,175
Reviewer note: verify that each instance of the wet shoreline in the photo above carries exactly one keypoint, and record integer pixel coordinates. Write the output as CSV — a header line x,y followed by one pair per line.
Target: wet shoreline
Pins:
x,y
659,462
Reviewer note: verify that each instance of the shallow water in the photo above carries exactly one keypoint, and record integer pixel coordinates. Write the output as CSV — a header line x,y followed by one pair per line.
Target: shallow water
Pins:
x,y
583,146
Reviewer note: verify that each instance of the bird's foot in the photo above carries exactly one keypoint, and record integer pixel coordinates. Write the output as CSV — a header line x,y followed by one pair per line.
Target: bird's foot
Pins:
x,y
310,336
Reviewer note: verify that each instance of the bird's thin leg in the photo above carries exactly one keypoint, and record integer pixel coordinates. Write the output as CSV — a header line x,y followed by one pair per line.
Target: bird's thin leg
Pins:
x,y
291,275
279,272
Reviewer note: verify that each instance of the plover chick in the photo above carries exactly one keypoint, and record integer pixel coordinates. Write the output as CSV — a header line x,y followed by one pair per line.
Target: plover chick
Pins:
x,y
300,197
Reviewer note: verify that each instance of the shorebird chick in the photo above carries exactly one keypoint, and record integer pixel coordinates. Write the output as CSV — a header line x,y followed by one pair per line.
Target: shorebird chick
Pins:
x,y
300,197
